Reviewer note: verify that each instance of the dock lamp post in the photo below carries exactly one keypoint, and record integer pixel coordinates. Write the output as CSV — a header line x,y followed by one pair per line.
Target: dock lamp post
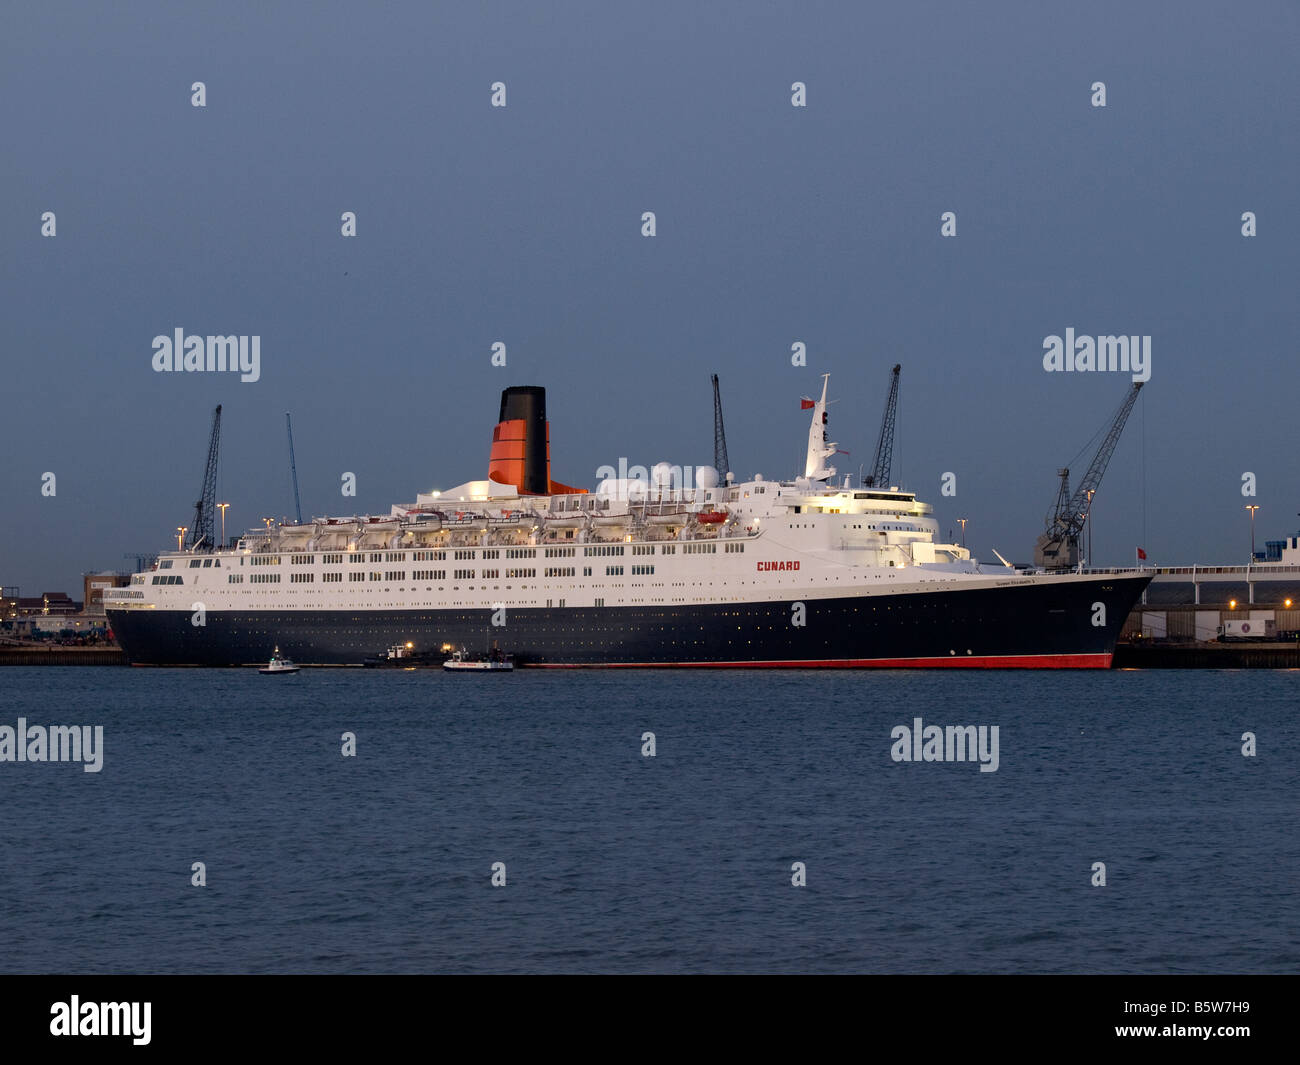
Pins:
x,y
222,507
962,522
181,530
1252,507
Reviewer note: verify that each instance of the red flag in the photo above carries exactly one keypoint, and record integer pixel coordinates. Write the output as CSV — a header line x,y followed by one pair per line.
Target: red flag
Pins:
x,y
1141,555
806,404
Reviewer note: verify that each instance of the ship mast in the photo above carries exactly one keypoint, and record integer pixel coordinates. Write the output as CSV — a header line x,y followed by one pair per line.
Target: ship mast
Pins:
x,y
819,447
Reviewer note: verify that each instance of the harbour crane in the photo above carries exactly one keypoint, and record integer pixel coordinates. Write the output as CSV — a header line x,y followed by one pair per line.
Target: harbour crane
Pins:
x,y
880,465
720,460
200,534
293,468
1058,548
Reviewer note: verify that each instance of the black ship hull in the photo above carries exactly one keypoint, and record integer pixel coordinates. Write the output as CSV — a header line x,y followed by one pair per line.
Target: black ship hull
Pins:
x,y
1054,624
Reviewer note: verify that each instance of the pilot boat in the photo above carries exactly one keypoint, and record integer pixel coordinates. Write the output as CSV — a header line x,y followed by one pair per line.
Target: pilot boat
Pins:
x,y
279,664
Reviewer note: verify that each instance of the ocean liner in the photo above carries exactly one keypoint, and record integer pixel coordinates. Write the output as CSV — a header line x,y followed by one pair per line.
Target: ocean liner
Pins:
x,y
665,570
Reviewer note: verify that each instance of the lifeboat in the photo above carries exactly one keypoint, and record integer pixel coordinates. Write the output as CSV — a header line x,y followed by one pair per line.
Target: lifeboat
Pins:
x,y
711,517
678,518
465,521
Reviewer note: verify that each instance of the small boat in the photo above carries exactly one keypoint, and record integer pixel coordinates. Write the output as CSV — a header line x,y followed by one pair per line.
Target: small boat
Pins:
x,y
279,664
494,661
711,517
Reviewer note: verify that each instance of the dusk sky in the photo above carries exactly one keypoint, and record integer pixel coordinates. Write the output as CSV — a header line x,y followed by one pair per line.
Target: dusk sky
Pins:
x,y
522,225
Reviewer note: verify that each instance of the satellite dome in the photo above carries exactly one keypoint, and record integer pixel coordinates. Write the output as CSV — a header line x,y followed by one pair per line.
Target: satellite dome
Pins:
x,y
706,477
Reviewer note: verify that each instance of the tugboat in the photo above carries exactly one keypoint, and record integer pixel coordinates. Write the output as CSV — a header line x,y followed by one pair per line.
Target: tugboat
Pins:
x,y
279,664
494,661
399,656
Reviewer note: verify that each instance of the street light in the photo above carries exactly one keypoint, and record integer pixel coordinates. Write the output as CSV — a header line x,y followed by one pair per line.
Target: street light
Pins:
x,y
1252,507
181,530
962,522
222,507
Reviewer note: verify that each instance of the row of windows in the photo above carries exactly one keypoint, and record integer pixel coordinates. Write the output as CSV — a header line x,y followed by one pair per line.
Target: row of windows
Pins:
x,y
734,549
361,558
642,570
438,575
206,563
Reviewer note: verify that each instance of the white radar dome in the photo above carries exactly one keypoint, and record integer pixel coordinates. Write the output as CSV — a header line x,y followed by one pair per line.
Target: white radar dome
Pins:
x,y
706,477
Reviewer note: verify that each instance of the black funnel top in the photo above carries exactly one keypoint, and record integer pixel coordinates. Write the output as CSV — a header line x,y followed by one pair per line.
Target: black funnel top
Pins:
x,y
527,403
523,401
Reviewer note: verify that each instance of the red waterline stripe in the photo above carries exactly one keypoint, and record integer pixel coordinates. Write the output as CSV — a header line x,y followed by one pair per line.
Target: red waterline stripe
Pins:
x,y
1083,661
